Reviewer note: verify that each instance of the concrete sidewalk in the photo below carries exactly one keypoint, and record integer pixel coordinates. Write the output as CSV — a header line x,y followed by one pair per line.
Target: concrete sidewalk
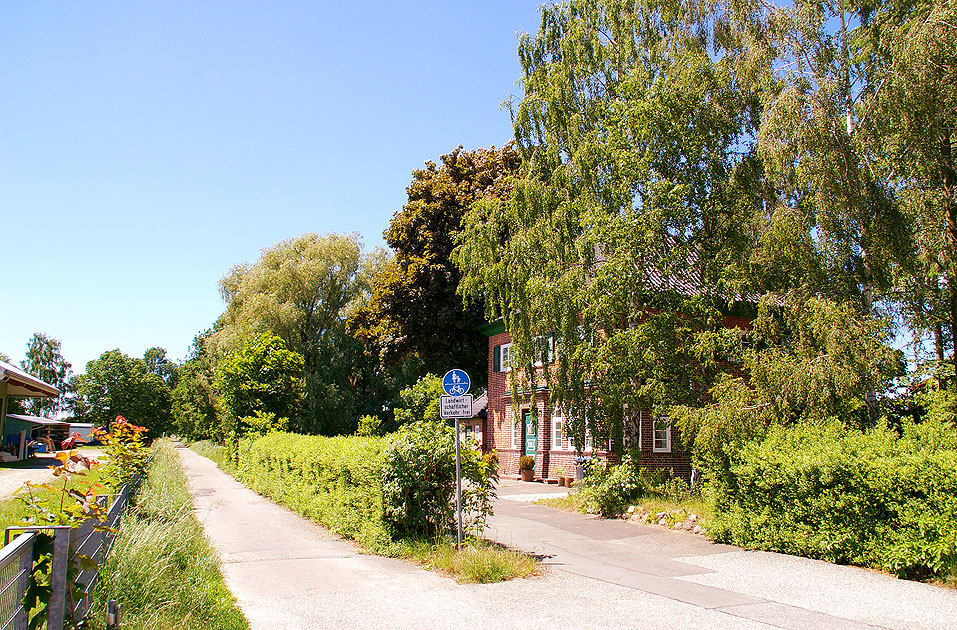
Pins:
x,y
289,573
775,589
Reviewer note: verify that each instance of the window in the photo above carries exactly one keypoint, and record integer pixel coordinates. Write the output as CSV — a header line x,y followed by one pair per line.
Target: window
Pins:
x,y
662,435
516,434
558,426
505,357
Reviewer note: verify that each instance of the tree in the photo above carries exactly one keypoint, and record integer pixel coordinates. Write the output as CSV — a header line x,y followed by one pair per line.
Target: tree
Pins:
x,y
916,113
118,385
158,364
625,234
420,401
194,397
300,290
45,361
264,378
414,311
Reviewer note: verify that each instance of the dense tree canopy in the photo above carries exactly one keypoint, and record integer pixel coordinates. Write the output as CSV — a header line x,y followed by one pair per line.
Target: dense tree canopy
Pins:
x,y
414,311
685,162
118,385
300,290
627,232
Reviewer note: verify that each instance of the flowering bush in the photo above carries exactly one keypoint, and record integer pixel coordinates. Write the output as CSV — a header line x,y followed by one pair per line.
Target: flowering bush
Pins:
x,y
125,448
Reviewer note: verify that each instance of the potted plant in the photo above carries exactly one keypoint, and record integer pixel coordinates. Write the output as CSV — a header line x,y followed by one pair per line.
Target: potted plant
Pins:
x,y
526,466
561,473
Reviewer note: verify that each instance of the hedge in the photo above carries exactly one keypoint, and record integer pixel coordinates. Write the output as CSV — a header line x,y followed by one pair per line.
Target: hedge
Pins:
x,y
371,489
875,498
335,481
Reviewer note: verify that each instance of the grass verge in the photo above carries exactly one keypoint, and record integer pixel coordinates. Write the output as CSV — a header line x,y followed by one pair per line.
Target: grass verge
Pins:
x,y
162,570
13,511
478,562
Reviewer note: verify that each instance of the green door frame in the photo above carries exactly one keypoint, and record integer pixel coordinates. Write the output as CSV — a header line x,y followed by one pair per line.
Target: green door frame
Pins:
x,y
530,433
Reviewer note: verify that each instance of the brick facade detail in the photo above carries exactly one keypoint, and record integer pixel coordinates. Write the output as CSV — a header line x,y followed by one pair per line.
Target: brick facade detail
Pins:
x,y
506,436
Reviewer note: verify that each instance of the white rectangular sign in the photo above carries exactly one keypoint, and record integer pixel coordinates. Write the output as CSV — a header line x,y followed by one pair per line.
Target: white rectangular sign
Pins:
x,y
455,406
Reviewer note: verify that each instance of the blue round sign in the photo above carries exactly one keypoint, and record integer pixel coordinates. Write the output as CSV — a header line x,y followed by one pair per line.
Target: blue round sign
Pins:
x,y
456,383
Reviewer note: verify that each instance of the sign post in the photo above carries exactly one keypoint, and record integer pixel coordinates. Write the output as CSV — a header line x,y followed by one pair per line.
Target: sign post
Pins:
x,y
457,403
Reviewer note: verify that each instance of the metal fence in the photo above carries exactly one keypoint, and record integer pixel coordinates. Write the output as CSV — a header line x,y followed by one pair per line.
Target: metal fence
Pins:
x,y
71,545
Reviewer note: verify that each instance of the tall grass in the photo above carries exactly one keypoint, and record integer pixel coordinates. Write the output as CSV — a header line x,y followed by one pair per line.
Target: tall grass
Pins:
x,y
477,562
162,571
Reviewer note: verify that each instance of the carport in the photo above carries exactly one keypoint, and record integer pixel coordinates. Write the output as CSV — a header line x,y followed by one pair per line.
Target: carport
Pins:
x,y
15,383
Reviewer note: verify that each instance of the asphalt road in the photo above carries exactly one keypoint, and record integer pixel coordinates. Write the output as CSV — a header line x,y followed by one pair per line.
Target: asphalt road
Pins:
x,y
289,573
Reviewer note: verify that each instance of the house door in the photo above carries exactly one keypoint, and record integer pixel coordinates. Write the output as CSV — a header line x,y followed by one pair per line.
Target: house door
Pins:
x,y
531,434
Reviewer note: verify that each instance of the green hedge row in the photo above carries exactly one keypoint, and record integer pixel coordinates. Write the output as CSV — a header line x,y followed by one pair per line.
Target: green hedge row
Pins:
x,y
372,489
335,481
874,498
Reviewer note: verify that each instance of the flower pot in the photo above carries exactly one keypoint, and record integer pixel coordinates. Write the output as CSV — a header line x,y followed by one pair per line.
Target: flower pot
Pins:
x,y
527,475
568,482
561,481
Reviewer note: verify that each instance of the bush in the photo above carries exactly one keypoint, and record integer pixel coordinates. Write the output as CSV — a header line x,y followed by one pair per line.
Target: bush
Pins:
x,y
609,491
419,481
869,498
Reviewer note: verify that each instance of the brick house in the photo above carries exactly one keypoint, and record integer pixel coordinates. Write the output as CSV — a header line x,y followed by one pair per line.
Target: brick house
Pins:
x,y
546,440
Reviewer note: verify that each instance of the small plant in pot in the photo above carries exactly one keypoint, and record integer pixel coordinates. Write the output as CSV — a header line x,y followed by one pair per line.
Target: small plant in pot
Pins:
x,y
526,467
561,473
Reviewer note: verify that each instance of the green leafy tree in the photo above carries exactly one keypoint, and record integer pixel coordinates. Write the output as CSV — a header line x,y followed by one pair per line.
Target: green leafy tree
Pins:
x,y
45,361
158,363
916,114
300,290
414,311
627,232
261,380
194,398
420,401
118,385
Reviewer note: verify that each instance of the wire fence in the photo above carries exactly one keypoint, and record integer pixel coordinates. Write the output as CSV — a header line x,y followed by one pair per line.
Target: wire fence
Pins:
x,y
80,551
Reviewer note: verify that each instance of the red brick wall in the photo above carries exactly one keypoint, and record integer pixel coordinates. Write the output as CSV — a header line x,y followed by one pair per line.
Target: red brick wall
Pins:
x,y
548,461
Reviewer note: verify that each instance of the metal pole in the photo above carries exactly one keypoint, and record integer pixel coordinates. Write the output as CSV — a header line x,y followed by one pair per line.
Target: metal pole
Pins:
x,y
458,486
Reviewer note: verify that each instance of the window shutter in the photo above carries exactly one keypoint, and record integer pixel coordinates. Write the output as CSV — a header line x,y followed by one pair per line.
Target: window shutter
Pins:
x,y
550,348
496,359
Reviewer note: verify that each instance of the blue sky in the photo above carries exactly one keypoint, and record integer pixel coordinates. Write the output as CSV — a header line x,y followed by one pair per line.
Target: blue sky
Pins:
x,y
147,147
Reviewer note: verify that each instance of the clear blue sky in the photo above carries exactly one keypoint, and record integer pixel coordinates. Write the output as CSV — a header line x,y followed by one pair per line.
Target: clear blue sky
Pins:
x,y
146,147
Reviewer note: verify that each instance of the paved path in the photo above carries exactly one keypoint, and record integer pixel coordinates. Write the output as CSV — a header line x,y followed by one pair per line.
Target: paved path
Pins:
x,y
779,590
288,573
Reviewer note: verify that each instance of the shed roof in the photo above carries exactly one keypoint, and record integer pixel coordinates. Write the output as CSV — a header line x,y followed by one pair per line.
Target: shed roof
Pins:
x,y
38,420
19,383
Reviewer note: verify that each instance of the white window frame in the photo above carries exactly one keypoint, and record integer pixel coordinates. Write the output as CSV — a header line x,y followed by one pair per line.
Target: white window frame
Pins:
x,y
516,433
667,435
504,352
559,443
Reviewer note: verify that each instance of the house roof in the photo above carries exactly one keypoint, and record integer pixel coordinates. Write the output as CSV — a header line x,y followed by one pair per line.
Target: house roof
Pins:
x,y
19,383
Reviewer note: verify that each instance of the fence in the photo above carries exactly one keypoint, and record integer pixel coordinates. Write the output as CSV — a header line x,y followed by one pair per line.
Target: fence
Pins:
x,y
71,545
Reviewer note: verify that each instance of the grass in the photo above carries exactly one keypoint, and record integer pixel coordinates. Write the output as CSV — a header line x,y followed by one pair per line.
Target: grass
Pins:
x,y
478,562
578,502
163,571
13,511
209,449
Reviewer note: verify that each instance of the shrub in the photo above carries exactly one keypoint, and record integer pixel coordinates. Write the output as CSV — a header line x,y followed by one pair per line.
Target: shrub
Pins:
x,y
526,462
609,491
419,481
825,491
